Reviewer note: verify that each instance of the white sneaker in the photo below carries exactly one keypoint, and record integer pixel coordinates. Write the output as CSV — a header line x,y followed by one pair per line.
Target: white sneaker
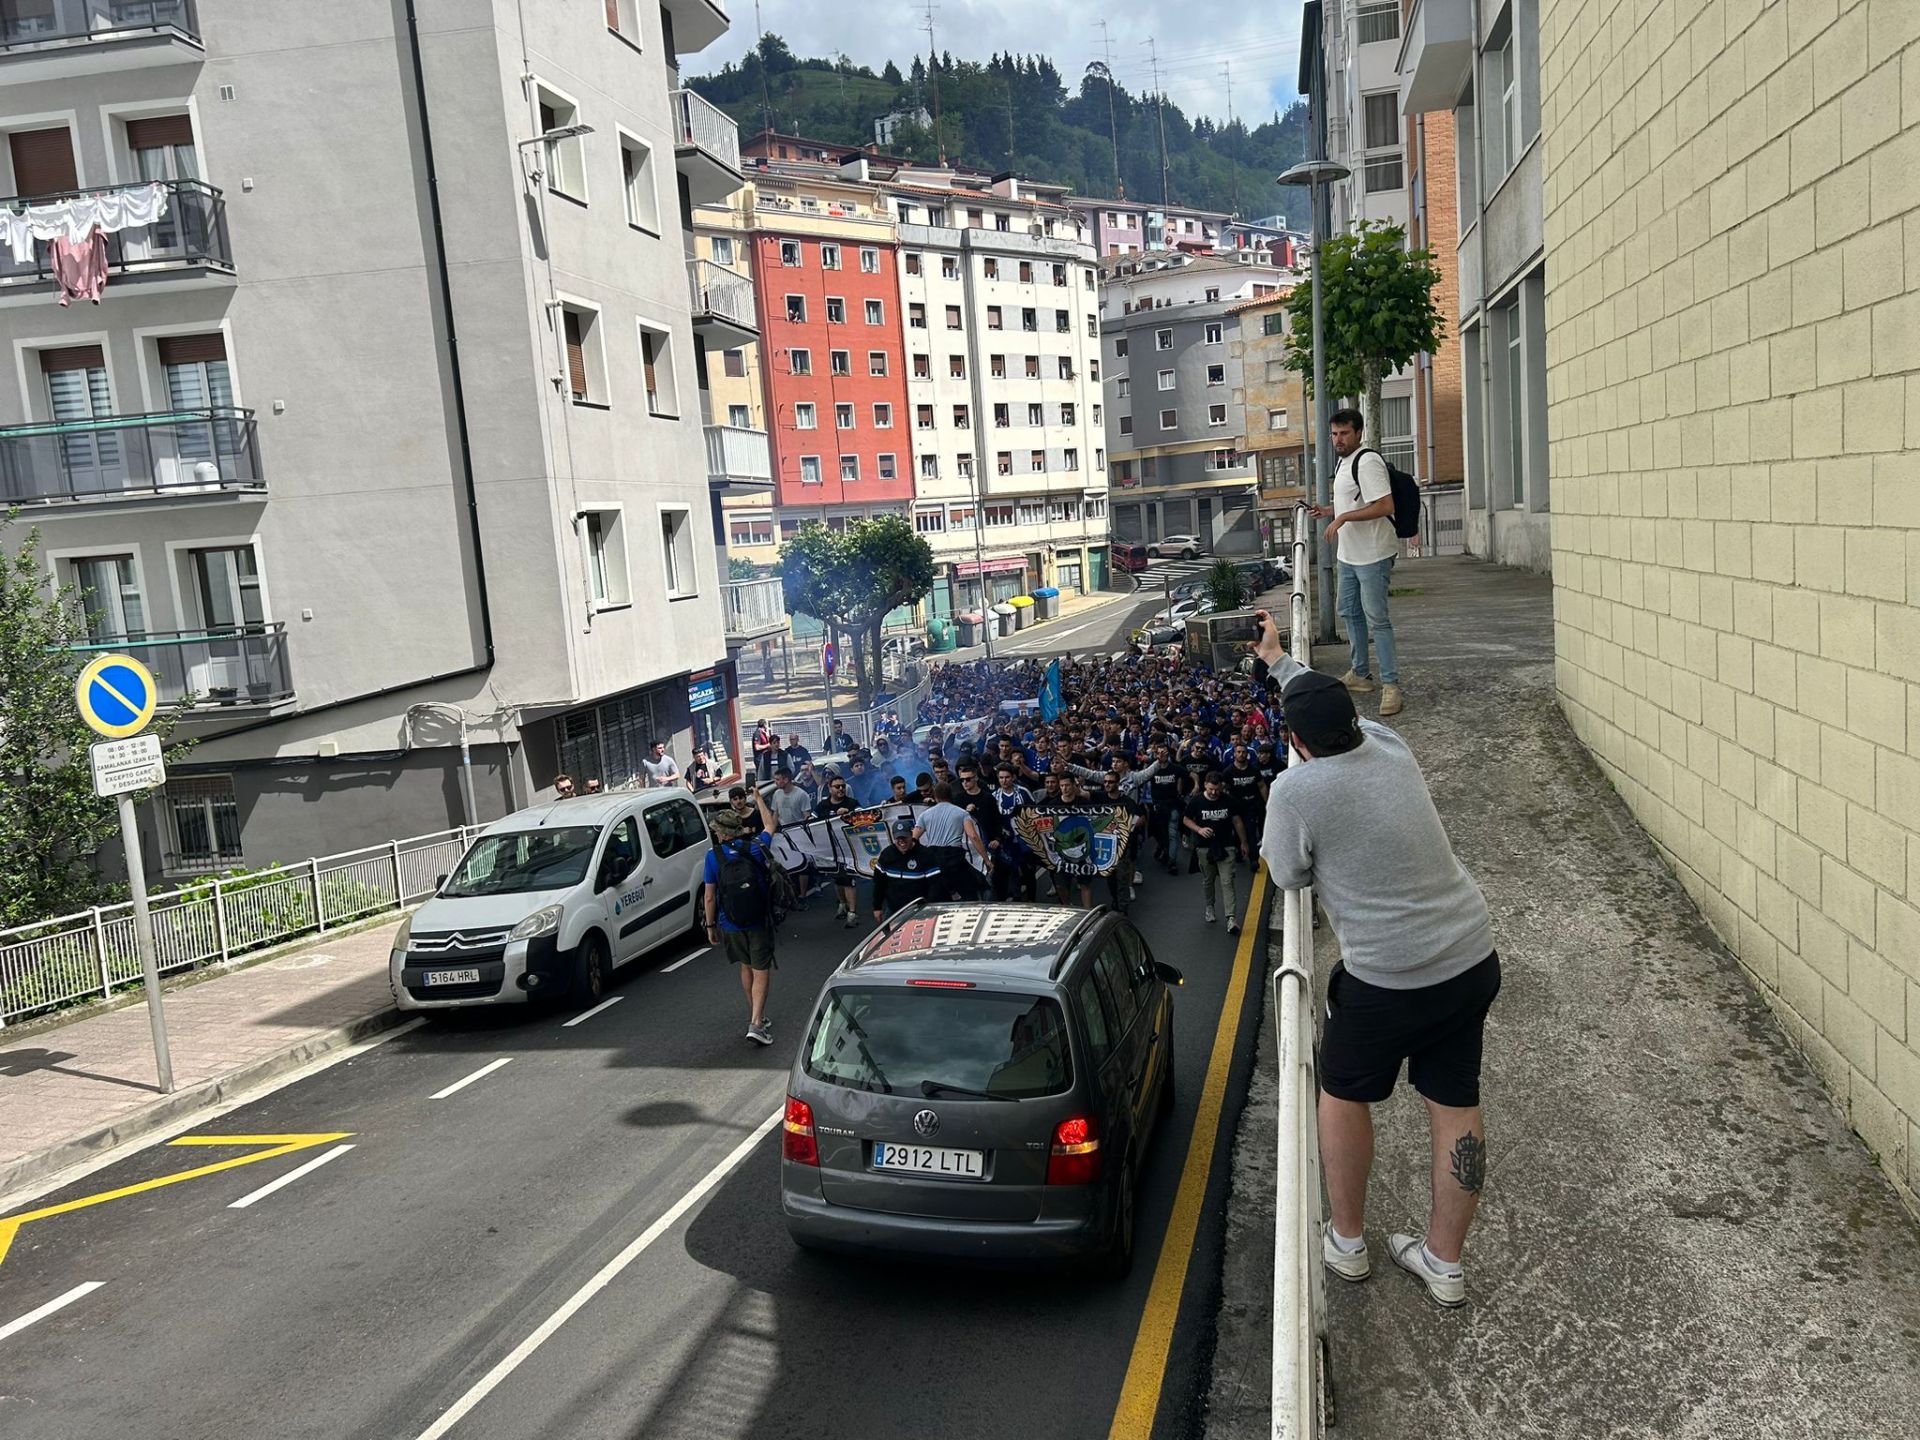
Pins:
x,y
1354,1265
839,909
1233,925
1138,878
1447,1287
1359,684
1209,914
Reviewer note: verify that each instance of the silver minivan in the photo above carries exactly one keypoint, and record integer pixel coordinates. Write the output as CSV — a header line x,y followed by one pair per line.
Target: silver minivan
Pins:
x,y
547,901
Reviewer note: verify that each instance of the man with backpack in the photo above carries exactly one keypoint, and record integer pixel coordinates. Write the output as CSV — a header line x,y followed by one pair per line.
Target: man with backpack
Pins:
x,y
1366,538
740,906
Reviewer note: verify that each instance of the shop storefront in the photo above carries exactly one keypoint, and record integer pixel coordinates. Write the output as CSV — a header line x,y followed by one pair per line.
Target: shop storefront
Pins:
x,y
1004,579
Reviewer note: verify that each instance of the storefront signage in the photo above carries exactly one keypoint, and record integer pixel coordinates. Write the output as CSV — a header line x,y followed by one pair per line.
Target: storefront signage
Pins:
x,y
704,691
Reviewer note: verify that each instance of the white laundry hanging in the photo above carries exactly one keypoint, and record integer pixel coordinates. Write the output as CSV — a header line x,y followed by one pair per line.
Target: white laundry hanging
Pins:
x,y
76,217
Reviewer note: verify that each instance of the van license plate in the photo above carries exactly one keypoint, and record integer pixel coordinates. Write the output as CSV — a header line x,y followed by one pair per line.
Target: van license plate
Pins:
x,y
923,1160
451,977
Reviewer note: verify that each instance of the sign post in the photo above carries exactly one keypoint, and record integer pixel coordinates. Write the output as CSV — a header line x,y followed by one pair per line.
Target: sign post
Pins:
x,y
829,661
117,697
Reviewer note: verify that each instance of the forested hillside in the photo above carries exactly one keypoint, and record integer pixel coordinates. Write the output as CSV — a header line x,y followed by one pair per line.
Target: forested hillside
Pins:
x,y
1018,112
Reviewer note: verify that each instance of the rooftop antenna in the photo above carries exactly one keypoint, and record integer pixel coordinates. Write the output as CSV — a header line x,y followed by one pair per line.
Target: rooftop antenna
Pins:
x,y
933,75
766,92
1160,112
1226,69
1113,122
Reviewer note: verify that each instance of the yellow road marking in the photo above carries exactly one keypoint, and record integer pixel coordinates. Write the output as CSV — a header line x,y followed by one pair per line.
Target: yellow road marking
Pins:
x,y
276,1146
1146,1370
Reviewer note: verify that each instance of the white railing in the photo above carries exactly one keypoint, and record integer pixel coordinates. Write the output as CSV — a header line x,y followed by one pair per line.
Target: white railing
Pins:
x,y
1443,522
1299,1284
706,127
738,453
91,954
755,607
860,725
719,292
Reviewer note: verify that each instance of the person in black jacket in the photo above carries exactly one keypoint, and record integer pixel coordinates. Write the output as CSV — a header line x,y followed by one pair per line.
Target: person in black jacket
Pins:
x,y
904,872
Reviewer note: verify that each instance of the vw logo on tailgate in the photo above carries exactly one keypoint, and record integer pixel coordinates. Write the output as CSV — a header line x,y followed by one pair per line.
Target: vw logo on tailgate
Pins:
x,y
925,1123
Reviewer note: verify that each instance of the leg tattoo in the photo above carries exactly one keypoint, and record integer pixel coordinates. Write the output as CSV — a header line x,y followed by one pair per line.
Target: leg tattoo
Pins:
x,y
1469,1161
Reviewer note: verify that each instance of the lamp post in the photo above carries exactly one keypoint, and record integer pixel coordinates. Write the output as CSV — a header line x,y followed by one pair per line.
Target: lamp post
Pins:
x,y
1319,173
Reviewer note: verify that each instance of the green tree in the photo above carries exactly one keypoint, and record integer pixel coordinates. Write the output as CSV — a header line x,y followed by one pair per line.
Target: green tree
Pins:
x,y
740,568
850,581
51,822
1376,311
1225,586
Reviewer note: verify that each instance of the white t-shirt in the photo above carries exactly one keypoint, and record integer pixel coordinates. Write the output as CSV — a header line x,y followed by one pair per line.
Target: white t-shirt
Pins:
x,y
1363,542
662,771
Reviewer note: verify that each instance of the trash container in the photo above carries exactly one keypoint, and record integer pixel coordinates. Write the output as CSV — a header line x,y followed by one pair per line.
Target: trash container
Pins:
x,y
1022,611
939,635
973,628
1047,601
1003,620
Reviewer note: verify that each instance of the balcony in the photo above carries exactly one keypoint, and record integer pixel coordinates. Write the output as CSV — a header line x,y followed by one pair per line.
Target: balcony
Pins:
x,y
1436,55
696,23
738,459
706,148
176,453
754,608
225,669
722,305
61,39
185,248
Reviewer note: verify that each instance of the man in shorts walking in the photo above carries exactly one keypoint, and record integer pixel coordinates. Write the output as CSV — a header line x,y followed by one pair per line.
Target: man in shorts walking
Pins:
x,y
739,902
1417,969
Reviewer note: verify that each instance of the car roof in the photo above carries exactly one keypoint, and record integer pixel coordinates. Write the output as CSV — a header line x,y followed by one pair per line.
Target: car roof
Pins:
x,y
1025,943
584,809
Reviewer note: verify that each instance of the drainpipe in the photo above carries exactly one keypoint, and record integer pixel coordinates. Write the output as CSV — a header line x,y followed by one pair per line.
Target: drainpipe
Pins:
x,y
1426,237
1480,303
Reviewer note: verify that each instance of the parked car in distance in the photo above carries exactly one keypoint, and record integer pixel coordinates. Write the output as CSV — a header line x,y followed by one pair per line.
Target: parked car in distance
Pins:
x,y
547,901
1177,547
1132,558
981,1082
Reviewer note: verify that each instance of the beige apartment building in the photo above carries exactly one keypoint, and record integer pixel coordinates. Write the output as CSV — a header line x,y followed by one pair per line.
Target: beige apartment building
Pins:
x,y
1274,402
1732,201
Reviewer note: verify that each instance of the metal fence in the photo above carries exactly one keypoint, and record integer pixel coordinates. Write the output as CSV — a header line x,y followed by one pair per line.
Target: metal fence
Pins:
x,y
813,728
1299,1285
91,954
1443,522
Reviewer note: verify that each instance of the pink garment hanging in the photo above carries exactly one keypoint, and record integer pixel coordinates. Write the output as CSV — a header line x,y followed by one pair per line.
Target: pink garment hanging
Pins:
x,y
79,267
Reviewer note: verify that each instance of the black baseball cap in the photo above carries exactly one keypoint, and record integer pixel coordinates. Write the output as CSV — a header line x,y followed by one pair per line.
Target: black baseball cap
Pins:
x,y
1319,709
903,826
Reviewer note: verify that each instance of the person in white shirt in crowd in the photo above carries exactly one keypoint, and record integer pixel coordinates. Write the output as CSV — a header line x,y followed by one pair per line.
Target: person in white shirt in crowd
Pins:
x,y
1361,530
789,803
660,766
948,831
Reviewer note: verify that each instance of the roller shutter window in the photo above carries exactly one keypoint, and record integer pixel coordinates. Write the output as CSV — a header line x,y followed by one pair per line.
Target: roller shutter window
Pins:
x,y
198,379
576,356
43,161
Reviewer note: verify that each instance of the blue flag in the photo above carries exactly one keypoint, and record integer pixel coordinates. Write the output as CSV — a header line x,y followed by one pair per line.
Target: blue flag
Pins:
x,y
1050,694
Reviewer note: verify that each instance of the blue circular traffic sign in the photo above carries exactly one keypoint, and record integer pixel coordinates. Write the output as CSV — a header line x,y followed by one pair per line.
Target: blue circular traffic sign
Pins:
x,y
116,696
829,657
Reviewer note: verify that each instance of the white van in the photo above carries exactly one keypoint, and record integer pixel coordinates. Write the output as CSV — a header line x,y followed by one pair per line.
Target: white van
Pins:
x,y
547,901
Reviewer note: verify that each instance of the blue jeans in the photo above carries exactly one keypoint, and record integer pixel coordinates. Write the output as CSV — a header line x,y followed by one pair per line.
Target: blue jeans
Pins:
x,y
1363,605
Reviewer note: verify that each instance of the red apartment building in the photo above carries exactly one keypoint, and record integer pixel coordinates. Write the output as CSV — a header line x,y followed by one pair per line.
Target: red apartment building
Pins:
x,y
832,341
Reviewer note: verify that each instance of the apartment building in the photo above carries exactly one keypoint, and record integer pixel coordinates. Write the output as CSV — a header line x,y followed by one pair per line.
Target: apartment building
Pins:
x,y
1273,405
1176,396
386,433
1131,227
1393,162
1734,403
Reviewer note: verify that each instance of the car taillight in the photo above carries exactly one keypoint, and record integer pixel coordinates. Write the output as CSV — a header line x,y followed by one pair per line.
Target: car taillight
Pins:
x,y
1075,1158
796,1142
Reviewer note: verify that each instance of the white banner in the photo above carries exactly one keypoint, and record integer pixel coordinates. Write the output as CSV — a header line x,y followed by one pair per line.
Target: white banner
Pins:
x,y
854,842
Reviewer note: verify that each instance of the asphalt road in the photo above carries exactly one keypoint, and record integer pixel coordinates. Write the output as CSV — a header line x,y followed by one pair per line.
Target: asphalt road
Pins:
x,y
553,1210
1108,628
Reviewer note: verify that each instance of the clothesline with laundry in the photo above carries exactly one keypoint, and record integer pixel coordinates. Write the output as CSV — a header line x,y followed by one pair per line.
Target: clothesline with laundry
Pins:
x,y
76,229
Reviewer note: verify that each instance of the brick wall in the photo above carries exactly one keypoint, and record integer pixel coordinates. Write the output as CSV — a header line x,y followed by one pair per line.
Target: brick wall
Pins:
x,y
1443,238
1734,389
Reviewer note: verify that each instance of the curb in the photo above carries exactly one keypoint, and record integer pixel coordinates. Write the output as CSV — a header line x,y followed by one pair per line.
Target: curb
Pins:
x,y
18,1174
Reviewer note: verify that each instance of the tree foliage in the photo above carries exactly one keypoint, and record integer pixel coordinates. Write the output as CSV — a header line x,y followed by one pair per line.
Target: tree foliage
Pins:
x,y
1376,310
51,822
850,580
1226,587
1017,112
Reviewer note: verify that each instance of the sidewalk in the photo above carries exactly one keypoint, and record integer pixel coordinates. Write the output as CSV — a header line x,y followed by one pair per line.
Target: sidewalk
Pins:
x,y
1680,1237
69,1091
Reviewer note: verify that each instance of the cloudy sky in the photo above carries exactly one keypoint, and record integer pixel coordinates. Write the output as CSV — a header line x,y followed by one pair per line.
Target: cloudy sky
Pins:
x,y
1195,38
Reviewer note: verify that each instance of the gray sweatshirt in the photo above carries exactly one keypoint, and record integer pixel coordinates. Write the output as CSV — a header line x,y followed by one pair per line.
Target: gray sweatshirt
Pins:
x,y
1361,829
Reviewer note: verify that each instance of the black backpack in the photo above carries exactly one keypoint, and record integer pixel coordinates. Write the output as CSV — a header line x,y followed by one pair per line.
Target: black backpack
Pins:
x,y
743,888
1406,499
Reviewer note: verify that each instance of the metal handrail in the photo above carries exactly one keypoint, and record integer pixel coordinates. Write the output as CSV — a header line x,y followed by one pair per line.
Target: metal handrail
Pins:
x,y
1299,1285
70,20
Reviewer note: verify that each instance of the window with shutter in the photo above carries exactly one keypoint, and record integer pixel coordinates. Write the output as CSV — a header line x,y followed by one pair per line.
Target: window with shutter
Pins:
x,y
43,161
155,132
576,356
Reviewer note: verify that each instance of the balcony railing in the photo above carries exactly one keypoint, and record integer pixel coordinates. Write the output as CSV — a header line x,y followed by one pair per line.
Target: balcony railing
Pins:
x,y
191,235
738,456
723,299
707,146
247,666
129,457
27,23
754,607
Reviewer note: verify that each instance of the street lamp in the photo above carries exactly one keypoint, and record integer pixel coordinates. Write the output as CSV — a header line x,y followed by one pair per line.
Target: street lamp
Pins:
x,y
1319,173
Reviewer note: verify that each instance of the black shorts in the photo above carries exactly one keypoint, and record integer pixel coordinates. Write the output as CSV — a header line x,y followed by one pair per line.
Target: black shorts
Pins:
x,y
1436,1031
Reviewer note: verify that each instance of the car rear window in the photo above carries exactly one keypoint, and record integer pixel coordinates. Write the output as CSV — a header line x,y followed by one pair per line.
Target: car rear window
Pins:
x,y
899,1039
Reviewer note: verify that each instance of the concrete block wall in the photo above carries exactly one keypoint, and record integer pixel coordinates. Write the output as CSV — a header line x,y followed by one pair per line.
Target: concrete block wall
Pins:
x,y
1732,195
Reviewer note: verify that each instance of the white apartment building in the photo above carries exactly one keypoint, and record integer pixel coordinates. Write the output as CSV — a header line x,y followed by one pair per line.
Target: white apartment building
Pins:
x,y
389,430
998,289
